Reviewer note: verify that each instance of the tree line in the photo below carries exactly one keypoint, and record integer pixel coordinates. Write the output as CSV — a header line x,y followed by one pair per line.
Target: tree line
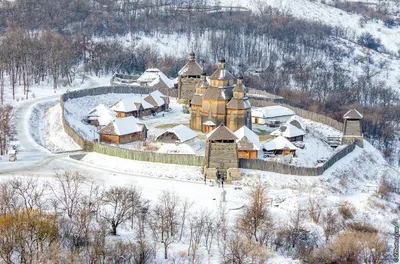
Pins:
x,y
292,56
70,220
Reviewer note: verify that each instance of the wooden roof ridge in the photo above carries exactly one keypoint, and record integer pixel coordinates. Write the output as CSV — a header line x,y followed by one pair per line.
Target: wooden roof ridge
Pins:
x,y
353,114
191,68
221,133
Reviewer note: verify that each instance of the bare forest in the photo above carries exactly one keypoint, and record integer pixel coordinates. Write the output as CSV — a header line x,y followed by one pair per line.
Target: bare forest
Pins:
x,y
70,220
300,60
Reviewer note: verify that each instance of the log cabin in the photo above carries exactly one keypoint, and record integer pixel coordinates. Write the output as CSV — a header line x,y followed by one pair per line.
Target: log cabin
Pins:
x,y
280,146
290,132
123,130
248,143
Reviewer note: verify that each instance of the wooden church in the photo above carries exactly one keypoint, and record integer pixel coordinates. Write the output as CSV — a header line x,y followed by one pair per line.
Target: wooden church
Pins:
x,y
220,101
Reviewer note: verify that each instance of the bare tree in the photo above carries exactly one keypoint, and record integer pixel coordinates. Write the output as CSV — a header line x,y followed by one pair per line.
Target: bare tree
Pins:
x,y
197,224
164,219
186,204
242,250
119,202
315,207
256,214
210,229
68,190
6,128
30,192
331,222
8,199
222,230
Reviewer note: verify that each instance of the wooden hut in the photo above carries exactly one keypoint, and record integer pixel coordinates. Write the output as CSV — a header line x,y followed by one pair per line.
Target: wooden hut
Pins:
x,y
280,146
264,115
155,78
248,143
178,134
123,130
298,122
159,101
101,116
132,106
290,132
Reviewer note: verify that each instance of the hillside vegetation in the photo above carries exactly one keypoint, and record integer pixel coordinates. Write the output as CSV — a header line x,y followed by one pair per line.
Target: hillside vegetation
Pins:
x,y
315,64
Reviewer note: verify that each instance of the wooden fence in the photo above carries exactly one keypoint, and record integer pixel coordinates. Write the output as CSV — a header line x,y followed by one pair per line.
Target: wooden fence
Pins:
x,y
116,89
193,160
271,166
86,145
260,102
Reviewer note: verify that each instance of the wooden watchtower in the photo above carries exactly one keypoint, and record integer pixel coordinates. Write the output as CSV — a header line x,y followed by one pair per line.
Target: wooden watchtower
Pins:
x,y
221,152
352,131
188,77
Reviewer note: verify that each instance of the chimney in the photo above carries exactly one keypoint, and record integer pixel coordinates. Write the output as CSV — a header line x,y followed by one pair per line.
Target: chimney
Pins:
x,y
192,56
221,64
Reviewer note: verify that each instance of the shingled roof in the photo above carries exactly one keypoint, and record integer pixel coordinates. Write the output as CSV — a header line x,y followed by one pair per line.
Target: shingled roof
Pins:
x,y
221,73
197,99
240,104
203,83
191,68
221,133
353,114
218,94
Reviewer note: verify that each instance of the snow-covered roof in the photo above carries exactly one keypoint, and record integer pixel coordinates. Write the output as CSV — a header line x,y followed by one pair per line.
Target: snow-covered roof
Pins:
x,y
297,121
353,114
140,100
122,126
129,104
244,133
176,149
102,114
124,105
154,76
209,123
271,111
288,131
279,143
183,133
158,97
